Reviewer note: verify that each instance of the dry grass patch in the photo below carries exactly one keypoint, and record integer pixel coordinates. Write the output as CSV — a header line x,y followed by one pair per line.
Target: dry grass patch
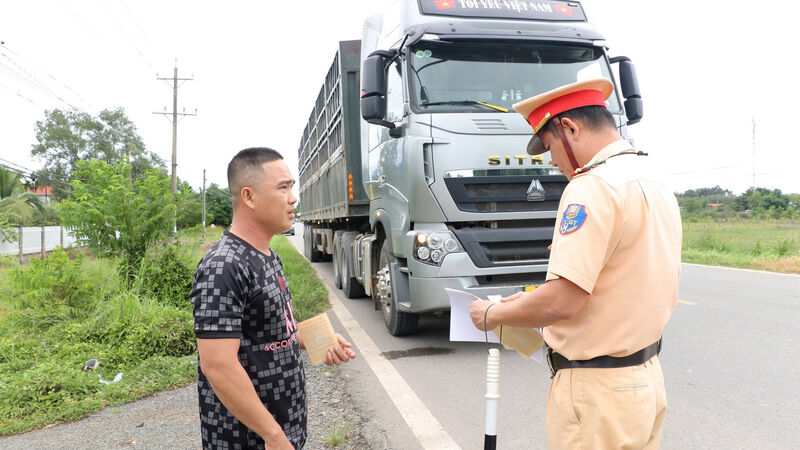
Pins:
x,y
783,265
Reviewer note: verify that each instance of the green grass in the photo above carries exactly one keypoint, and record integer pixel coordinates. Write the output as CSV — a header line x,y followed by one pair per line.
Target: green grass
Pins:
x,y
309,296
57,313
764,245
337,433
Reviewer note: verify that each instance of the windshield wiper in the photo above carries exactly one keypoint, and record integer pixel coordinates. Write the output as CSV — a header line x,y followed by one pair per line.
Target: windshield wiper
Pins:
x,y
465,102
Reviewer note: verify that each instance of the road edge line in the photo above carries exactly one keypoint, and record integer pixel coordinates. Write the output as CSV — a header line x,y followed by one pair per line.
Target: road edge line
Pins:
x,y
428,431
765,272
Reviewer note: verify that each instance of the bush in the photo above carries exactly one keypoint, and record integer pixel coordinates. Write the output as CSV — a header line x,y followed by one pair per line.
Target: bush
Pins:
x,y
56,288
165,276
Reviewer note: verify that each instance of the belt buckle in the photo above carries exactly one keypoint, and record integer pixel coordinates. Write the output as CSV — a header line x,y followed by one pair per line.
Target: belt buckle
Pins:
x,y
549,357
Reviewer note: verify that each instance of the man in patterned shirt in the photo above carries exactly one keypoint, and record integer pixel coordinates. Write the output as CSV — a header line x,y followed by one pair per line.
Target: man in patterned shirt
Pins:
x,y
251,383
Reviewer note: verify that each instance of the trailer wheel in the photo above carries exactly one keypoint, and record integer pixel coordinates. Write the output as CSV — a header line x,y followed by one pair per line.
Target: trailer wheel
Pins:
x,y
350,285
312,254
397,322
337,250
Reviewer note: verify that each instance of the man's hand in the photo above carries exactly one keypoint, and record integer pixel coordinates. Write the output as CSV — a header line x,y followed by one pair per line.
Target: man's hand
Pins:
x,y
340,354
277,442
478,312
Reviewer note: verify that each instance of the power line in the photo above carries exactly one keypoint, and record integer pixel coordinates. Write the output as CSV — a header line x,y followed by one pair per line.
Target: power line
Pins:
x,y
81,21
3,44
33,81
22,96
135,22
127,36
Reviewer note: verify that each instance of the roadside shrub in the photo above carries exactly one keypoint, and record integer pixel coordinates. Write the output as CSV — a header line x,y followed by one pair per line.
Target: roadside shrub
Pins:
x,y
708,242
786,247
165,276
7,261
49,290
140,327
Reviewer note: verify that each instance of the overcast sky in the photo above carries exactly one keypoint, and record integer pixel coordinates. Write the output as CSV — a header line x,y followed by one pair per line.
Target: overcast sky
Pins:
x,y
706,69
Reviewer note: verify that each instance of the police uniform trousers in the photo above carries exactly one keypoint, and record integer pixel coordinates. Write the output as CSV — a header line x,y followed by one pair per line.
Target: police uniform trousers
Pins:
x,y
619,408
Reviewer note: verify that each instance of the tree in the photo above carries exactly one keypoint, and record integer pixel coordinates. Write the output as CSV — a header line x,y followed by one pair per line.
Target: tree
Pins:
x,y
66,137
16,205
190,206
218,205
715,191
111,216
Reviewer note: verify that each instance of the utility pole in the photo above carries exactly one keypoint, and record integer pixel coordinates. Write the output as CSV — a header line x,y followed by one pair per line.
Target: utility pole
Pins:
x,y
203,233
174,85
754,153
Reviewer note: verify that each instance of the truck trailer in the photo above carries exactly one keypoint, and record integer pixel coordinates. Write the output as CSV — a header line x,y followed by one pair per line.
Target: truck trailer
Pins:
x,y
413,171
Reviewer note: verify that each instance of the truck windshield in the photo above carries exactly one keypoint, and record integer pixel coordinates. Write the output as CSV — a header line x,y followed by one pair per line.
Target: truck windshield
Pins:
x,y
464,76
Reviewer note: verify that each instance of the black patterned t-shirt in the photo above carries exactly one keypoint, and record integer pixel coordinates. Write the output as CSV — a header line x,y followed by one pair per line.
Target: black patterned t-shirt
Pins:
x,y
239,292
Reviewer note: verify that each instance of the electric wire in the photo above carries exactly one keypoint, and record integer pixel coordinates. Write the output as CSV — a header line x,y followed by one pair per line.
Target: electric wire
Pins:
x,y
136,22
127,36
29,63
33,81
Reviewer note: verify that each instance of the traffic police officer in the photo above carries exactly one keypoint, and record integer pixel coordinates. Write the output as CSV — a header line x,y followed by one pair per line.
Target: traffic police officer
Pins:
x,y
612,279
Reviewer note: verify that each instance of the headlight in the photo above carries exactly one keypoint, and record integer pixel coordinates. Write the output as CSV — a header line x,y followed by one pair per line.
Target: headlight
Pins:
x,y
431,248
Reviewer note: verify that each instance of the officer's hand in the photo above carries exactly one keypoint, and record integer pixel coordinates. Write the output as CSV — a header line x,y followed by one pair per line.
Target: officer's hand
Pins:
x,y
477,312
513,297
340,354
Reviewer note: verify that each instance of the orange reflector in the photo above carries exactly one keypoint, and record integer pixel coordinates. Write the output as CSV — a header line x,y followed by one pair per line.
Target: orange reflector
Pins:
x,y
350,184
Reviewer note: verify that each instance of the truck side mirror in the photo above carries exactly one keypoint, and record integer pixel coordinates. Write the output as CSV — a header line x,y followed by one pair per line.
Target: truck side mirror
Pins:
x,y
373,88
634,108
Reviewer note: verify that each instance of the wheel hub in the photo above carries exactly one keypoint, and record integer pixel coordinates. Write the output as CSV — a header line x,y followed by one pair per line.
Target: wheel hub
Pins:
x,y
385,287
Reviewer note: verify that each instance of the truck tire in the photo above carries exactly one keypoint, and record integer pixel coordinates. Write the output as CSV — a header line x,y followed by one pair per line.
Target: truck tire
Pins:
x,y
350,285
397,322
312,254
337,250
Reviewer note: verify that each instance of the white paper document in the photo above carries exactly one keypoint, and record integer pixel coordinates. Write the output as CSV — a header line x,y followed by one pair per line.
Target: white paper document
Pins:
x,y
462,328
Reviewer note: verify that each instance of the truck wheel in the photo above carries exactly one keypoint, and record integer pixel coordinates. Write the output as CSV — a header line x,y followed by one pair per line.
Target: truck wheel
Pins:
x,y
312,254
350,285
337,250
398,323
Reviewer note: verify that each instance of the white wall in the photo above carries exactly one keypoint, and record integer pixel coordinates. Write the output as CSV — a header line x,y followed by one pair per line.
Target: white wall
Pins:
x,y
32,240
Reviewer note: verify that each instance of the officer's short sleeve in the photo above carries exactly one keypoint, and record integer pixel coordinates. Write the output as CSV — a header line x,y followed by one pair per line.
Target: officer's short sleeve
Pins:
x,y
588,227
218,299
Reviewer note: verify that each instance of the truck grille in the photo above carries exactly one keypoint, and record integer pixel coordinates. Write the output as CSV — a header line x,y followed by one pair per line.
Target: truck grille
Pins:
x,y
504,193
493,247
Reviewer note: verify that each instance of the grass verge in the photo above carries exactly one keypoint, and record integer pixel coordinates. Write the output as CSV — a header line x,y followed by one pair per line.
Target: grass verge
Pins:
x,y
57,313
762,245
309,296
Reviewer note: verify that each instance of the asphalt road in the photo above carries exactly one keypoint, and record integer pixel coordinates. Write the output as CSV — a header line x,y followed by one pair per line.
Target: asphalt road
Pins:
x,y
730,363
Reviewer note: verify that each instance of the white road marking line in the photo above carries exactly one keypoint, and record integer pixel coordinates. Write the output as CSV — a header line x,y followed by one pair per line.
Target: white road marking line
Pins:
x,y
766,272
684,302
429,433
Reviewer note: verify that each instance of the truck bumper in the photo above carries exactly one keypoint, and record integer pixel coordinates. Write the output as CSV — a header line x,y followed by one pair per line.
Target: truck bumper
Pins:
x,y
428,294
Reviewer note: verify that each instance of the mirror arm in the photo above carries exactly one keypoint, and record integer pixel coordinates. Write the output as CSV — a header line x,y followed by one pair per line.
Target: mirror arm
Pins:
x,y
383,123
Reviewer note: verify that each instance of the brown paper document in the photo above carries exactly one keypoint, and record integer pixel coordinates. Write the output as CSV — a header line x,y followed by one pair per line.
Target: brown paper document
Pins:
x,y
524,340
318,337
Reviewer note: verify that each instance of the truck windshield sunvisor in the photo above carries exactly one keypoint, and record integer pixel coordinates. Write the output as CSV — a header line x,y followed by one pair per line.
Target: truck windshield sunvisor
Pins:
x,y
444,74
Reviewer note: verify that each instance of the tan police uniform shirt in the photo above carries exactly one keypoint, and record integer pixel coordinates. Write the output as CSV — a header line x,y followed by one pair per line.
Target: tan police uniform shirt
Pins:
x,y
618,237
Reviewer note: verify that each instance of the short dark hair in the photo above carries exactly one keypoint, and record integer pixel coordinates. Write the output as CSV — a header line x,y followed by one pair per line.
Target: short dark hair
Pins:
x,y
593,117
245,168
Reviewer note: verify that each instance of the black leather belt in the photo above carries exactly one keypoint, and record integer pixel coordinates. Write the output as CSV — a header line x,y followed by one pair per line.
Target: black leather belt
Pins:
x,y
557,361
